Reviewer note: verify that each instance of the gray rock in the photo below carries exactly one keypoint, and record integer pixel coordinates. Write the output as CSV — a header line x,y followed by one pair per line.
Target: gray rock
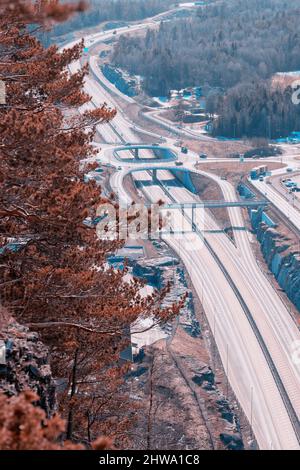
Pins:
x,y
27,366
282,261
232,441
203,374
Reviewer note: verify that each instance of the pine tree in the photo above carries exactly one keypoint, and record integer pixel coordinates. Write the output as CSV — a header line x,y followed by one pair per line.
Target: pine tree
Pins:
x,y
57,280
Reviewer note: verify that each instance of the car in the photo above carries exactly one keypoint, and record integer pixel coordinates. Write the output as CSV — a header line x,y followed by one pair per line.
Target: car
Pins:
x,y
203,156
224,178
178,163
119,168
261,178
289,170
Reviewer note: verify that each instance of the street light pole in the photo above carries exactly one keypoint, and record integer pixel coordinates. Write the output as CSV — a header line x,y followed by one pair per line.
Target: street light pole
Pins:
x,y
251,413
227,372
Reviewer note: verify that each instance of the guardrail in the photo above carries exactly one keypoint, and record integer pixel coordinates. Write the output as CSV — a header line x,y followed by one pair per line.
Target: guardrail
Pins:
x,y
216,204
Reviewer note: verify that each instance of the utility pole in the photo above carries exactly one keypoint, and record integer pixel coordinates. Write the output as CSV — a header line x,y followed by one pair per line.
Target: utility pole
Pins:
x,y
174,276
251,413
227,371
214,343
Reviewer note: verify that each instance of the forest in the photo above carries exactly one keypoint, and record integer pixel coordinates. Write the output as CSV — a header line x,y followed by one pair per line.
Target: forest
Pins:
x,y
221,45
233,47
257,109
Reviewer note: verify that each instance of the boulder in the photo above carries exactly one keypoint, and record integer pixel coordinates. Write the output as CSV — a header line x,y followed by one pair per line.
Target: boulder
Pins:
x,y
232,441
281,258
27,366
203,374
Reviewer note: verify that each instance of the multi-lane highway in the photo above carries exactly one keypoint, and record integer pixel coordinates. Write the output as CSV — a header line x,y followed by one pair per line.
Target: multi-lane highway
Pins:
x,y
284,205
253,329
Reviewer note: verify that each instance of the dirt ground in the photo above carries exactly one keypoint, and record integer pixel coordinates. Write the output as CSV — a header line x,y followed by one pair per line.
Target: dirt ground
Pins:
x,y
209,190
178,413
218,149
172,418
234,171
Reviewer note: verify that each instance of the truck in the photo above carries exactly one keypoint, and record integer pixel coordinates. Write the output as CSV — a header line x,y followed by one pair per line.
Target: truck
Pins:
x,y
259,171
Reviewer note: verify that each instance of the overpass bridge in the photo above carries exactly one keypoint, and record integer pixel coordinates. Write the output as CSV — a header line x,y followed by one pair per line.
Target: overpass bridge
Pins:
x,y
193,206
217,204
182,173
160,152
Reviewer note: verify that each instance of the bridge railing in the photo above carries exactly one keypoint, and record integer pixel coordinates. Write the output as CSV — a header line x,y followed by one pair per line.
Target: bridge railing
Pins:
x,y
216,204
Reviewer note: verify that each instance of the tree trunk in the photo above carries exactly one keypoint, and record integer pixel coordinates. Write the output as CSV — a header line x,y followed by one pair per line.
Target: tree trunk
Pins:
x,y
73,391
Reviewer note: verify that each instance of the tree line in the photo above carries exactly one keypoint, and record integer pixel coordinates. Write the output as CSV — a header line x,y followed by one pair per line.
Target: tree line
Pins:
x,y
222,45
257,109
226,45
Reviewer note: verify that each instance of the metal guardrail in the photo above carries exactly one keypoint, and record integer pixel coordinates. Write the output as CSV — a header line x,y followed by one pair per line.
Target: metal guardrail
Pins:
x,y
280,214
216,204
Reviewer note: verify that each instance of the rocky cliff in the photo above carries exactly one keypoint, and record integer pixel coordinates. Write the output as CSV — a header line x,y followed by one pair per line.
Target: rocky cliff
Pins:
x,y
24,365
282,258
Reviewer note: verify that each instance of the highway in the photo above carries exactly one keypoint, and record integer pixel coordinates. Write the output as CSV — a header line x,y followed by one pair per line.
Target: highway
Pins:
x,y
285,206
228,320
217,277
